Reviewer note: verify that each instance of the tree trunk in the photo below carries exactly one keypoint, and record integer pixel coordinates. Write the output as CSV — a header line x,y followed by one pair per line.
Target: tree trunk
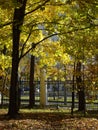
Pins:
x,y
31,83
80,87
73,93
17,23
43,88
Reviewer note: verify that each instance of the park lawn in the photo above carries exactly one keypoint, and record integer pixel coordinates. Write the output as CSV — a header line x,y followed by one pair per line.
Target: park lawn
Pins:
x,y
47,119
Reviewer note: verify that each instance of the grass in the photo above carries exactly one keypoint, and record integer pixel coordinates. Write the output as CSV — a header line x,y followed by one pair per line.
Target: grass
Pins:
x,y
52,109
60,101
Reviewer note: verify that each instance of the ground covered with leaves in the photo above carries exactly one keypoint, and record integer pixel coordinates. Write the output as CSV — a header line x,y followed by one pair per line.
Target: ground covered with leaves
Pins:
x,y
38,120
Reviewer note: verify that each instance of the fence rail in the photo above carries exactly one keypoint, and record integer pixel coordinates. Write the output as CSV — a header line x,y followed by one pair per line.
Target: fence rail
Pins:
x,y
58,93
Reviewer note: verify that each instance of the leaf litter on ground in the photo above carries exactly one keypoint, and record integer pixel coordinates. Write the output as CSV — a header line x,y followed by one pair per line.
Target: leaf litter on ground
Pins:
x,y
48,121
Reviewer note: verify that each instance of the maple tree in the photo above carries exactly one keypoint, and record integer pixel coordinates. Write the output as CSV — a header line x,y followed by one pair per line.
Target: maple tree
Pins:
x,y
84,36
18,18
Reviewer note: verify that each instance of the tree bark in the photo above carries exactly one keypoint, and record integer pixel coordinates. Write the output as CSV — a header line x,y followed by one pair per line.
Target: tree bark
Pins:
x,y
43,88
80,87
73,93
31,83
17,23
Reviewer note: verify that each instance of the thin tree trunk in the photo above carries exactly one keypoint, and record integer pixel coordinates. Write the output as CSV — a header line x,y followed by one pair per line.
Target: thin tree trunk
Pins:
x,y
31,83
80,87
18,22
43,88
73,93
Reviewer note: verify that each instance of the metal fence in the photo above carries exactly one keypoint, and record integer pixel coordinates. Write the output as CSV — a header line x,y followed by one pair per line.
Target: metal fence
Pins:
x,y
58,93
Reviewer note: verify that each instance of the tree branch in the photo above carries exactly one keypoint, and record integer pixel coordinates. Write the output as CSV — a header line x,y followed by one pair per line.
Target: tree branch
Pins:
x,y
26,42
51,35
38,7
6,24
